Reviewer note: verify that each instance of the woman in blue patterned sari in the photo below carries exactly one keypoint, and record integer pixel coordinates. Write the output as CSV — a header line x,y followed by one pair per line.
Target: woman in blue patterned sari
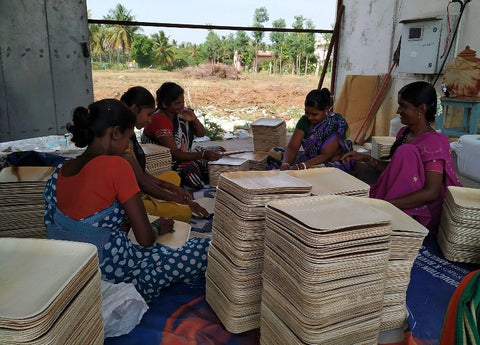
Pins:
x,y
95,198
324,136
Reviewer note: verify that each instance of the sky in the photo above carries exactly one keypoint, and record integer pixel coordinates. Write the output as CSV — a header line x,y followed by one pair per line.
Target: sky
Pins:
x,y
216,12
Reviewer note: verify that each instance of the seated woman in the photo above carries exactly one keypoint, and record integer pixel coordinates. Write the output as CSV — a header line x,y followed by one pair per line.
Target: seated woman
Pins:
x,y
421,166
322,133
174,126
89,199
178,202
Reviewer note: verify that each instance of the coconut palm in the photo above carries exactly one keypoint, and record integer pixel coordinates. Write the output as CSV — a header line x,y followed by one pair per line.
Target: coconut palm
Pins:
x,y
120,37
163,52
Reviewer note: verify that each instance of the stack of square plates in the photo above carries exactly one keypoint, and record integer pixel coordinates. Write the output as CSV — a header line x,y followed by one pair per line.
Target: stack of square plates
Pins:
x,y
257,160
22,206
268,133
381,146
327,181
234,272
459,232
406,241
41,308
324,271
225,164
159,158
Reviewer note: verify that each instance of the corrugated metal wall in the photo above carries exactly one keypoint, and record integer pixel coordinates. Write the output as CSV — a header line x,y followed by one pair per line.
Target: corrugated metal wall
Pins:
x,y
44,71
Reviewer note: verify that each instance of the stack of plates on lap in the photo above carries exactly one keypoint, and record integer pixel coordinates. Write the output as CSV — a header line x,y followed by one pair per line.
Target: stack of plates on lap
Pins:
x,y
459,232
234,272
22,206
328,181
225,164
268,133
406,241
257,160
38,307
381,146
159,158
324,271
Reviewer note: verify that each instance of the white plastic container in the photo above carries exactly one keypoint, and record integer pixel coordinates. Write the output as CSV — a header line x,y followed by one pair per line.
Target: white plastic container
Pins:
x,y
395,125
467,149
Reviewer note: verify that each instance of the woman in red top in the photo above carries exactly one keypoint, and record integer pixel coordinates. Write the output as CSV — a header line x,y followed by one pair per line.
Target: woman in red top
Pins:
x,y
89,198
174,126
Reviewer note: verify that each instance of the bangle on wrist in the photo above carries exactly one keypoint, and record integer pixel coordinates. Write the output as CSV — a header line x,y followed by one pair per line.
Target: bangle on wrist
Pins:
x,y
304,166
203,154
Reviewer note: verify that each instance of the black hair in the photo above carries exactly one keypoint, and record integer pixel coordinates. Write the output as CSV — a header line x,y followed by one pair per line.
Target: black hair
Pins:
x,y
91,122
139,96
167,93
418,93
319,99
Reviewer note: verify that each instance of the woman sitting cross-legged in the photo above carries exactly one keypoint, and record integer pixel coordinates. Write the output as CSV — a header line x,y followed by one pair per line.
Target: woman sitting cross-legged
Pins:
x,y
421,166
323,135
95,198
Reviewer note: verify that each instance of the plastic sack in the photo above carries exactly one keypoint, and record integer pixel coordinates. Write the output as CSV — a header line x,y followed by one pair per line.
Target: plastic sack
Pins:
x,y
122,308
466,149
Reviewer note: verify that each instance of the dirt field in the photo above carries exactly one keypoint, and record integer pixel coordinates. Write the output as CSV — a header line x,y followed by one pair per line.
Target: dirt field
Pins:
x,y
250,97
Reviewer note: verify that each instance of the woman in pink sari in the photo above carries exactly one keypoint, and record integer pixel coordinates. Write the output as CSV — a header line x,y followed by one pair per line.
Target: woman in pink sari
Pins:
x,y
421,166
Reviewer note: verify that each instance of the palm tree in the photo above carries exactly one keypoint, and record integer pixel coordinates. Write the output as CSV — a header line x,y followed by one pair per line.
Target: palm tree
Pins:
x,y
164,54
120,37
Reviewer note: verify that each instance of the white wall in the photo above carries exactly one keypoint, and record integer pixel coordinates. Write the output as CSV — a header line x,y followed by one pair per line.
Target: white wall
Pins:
x,y
369,35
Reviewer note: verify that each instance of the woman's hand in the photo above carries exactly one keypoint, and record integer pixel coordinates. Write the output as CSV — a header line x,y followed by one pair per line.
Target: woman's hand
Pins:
x,y
198,209
285,166
211,155
163,225
188,114
355,156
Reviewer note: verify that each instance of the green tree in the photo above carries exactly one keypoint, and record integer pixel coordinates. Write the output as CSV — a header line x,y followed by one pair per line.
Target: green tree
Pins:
x,y
211,48
120,37
278,43
163,52
142,50
243,47
259,17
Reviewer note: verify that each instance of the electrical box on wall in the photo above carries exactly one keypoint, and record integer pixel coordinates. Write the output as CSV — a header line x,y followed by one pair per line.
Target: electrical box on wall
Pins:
x,y
420,45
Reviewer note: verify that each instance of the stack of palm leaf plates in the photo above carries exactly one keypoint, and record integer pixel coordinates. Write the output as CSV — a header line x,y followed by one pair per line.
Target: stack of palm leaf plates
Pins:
x,y
159,158
225,164
406,241
459,232
22,206
257,160
328,181
268,133
234,272
324,272
381,146
63,308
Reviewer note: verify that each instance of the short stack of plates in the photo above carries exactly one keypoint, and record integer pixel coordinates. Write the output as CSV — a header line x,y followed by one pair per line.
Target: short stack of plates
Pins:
x,y
268,133
234,272
257,160
406,241
324,272
22,206
328,181
459,233
159,158
225,164
381,146
38,307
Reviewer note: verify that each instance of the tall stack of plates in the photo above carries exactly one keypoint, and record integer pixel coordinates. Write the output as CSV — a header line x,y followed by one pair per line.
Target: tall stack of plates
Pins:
x,y
159,158
257,160
324,271
225,164
234,272
327,181
41,308
22,206
459,233
381,146
268,133
406,241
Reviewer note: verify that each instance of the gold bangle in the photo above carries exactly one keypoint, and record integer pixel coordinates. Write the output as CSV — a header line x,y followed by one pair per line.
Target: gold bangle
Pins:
x,y
203,154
